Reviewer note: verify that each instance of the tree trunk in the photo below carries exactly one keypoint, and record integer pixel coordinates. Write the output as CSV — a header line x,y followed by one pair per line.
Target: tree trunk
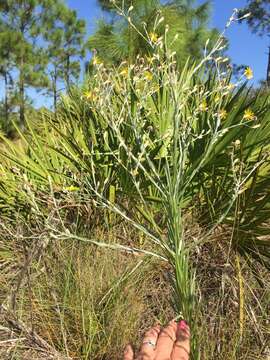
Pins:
x,y
268,69
55,90
6,102
67,72
21,93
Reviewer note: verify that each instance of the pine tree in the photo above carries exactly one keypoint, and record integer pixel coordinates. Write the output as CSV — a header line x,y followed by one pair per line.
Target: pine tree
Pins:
x,y
72,44
64,35
54,35
109,5
259,16
7,41
44,39
24,19
116,40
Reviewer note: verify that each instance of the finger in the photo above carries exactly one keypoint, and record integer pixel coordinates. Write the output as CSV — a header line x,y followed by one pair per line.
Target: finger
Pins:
x,y
181,347
149,343
128,353
166,341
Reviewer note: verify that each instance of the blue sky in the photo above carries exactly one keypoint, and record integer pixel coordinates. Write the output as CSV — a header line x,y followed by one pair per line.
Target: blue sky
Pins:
x,y
244,47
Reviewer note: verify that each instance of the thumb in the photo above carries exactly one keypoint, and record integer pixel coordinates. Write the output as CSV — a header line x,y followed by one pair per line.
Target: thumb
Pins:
x,y
128,353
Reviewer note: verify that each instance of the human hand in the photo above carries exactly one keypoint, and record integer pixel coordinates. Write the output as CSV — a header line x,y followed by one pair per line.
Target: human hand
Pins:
x,y
169,343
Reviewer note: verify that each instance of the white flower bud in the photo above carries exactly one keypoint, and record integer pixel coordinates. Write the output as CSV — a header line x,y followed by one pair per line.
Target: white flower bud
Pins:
x,y
160,20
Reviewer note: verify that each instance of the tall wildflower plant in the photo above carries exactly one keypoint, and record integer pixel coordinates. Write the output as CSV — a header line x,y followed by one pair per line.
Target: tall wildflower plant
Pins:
x,y
149,142
156,131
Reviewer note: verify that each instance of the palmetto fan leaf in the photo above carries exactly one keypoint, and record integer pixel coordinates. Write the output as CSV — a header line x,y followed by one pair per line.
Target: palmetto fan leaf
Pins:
x,y
249,217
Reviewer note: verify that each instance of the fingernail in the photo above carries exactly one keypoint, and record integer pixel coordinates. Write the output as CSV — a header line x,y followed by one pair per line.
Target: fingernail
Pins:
x,y
182,325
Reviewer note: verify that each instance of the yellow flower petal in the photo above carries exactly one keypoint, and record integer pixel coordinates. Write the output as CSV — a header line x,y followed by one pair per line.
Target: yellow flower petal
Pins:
x,y
231,86
148,76
150,59
96,60
223,114
248,73
217,98
124,71
153,37
71,188
90,95
249,115
203,106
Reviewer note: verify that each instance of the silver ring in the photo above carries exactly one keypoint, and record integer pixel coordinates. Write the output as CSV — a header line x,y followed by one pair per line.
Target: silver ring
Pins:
x,y
150,343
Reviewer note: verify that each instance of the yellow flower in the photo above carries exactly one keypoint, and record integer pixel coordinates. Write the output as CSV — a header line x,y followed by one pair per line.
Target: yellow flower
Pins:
x,y
71,188
148,76
134,172
231,86
124,71
150,59
90,95
203,106
249,115
223,114
153,37
217,98
96,61
248,73
155,88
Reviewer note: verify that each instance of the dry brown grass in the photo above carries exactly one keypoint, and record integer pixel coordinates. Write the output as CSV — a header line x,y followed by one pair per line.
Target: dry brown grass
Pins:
x,y
85,303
